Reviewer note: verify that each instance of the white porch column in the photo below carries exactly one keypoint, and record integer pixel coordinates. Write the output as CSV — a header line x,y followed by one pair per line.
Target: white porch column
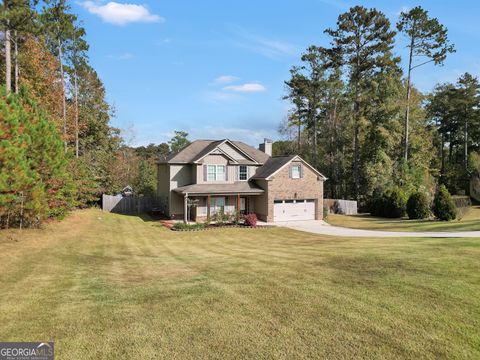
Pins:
x,y
185,208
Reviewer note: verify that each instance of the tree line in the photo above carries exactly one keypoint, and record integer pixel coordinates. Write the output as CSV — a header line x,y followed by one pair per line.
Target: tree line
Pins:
x,y
358,117
58,150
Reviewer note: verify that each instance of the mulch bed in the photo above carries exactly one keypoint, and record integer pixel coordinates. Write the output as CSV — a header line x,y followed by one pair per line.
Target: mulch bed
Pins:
x,y
169,224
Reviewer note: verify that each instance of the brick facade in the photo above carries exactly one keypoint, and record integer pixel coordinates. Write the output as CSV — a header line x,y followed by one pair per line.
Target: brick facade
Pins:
x,y
282,187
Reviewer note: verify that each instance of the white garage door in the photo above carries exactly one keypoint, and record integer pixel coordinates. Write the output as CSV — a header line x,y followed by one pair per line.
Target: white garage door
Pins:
x,y
289,210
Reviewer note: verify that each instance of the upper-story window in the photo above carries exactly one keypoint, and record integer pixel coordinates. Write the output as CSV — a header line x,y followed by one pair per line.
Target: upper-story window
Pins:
x,y
296,172
242,172
216,173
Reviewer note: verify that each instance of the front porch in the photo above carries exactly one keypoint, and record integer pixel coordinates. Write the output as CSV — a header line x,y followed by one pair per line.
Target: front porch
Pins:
x,y
203,202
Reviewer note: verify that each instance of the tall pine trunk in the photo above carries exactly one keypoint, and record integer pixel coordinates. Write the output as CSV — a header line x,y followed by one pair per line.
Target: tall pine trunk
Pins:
x,y
17,68
8,61
76,112
356,135
64,103
465,155
409,92
299,139
356,143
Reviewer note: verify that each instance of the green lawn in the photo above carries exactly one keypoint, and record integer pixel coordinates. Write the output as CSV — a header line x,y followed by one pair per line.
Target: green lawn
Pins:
x,y
470,222
106,286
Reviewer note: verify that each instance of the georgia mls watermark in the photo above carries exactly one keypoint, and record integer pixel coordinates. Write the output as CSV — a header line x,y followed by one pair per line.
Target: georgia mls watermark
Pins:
x,y
26,351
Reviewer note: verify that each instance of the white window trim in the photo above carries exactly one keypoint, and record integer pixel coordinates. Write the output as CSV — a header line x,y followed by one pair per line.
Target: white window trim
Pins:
x,y
216,173
246,173
299,167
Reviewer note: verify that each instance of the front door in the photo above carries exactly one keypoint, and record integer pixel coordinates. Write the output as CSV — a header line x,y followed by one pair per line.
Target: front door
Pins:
x,y
243,206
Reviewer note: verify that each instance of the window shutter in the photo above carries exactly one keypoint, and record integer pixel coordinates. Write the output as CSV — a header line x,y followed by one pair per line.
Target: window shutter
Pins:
x,y
248,172
237,173
226,172
301,171
204,172
290,172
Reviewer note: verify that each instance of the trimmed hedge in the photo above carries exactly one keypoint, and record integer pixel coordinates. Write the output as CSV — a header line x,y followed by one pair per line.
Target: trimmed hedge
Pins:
x,y
391,204
418,206
443,205
183,226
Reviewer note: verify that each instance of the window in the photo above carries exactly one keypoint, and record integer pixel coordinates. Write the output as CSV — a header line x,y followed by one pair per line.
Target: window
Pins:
x,y
242,172
216,173
211,172
296,172
220,173
217,205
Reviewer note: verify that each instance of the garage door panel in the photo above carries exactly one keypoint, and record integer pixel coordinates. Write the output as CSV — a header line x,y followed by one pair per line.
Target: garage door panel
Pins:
x,y
291,211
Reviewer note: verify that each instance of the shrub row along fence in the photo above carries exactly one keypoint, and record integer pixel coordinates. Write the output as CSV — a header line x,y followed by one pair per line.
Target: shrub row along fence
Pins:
x,y
128,204
338,206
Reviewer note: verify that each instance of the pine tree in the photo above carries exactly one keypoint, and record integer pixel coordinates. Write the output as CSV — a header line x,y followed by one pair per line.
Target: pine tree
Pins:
x,y
48,159
22,195
58,26
428,40
362,43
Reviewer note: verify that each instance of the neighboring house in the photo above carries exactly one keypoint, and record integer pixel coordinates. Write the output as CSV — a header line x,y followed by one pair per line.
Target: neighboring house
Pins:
x,y
232,176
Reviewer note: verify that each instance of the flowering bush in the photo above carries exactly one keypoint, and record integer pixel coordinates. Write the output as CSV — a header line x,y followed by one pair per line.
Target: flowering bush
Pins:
x,y
250,220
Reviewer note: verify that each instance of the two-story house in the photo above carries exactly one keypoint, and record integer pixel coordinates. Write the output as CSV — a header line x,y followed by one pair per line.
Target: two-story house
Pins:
x,y
230,176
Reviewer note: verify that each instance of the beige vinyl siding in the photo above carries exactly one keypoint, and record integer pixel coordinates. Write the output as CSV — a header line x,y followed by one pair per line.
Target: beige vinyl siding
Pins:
x,y
163,184
226,148
261,201
216,160
180,175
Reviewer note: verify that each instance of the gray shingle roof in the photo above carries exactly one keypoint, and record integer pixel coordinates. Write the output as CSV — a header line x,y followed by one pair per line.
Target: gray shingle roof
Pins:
x,y
272,165
254,153
188,153
239,187
199,148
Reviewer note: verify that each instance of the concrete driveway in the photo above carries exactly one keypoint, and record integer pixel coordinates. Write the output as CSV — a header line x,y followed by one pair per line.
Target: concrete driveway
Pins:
x,y
321,227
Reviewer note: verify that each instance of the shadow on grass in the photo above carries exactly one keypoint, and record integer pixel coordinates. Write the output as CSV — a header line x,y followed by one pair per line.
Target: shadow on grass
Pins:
x,y
146,217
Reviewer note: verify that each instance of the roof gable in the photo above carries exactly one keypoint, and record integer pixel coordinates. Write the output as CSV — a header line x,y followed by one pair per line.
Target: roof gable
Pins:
x,y
277,163
198,149
227,148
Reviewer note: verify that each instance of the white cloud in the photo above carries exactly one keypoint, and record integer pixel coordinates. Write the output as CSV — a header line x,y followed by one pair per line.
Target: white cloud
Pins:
x,y
124,56
219,96
271,48
226,79
121,14
246,88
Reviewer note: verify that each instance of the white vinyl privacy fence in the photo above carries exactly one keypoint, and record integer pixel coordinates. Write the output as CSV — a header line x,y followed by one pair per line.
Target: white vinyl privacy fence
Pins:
x,y
127,204
339,206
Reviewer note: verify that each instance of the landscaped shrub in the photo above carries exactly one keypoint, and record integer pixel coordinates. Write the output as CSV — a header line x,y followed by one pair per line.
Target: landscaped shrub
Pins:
x,y
183,226
418,206
221,218
376,205
325,212
251,220
391,204
443,205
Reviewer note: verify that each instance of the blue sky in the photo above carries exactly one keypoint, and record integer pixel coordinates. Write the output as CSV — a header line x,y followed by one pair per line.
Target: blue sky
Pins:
x,y
216,69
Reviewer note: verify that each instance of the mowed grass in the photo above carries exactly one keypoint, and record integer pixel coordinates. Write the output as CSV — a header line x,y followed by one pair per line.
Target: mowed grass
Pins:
x,y
106,286
469,222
